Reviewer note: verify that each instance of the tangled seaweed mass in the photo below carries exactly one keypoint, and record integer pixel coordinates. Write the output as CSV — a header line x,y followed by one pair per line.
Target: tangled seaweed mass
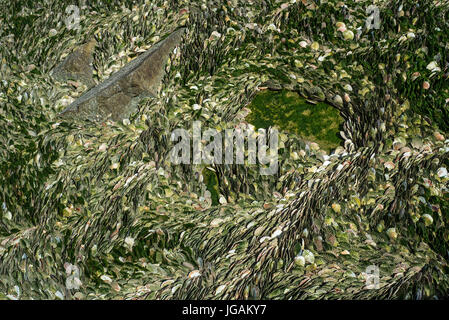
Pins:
x,y
93,208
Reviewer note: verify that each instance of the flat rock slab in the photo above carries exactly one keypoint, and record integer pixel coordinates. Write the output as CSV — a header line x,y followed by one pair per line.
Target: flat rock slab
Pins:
x,y
77,65
118,96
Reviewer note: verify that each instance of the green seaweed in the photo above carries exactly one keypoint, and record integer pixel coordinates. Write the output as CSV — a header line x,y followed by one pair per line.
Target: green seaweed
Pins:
x,y
211,182
288,111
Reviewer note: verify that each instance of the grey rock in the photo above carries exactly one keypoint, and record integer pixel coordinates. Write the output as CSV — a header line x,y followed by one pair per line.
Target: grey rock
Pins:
x,y
118,96
77,65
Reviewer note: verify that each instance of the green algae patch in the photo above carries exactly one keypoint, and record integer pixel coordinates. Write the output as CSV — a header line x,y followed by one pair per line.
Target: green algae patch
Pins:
x,y
290,112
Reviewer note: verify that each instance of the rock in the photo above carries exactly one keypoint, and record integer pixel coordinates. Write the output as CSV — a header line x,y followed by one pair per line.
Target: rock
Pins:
x,y
348,35
428,220
442,172
314,146
309,257
117,97
52,32
433,66
392,233
438,136
338,100
316,93
336,207
300,261
272,85
77,65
